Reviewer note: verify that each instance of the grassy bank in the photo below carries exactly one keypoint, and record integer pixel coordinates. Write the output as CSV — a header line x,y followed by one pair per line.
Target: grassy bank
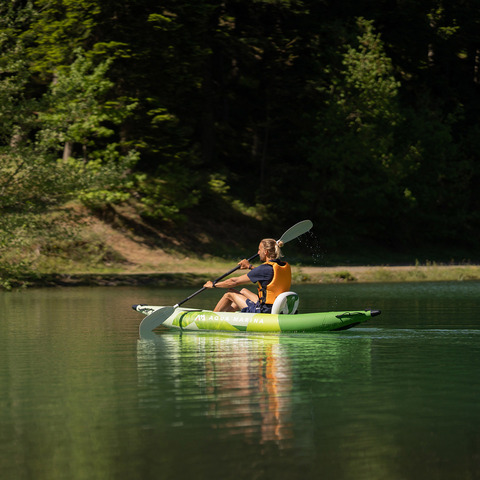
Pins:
x,y
383,274
119,248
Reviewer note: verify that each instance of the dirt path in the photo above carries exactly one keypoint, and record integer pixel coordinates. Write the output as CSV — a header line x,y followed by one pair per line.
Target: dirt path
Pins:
x,y
139,256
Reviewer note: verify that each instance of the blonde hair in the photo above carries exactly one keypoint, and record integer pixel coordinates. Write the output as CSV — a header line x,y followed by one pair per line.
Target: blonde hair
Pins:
x,y
272,248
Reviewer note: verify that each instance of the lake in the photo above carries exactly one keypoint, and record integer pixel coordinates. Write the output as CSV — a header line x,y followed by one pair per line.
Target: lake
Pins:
x,y
397,397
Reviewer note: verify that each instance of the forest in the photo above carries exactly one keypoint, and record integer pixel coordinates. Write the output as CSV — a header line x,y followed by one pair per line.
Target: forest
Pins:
x,y
360,115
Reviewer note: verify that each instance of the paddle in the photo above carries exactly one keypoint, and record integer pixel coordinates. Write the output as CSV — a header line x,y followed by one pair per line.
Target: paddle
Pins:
x,y
156,318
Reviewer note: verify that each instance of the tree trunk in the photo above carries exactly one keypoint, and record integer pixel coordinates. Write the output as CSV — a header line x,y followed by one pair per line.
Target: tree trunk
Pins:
x,y
67,151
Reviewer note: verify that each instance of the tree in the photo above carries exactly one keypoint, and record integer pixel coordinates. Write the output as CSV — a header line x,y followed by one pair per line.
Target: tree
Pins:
x,y
351,156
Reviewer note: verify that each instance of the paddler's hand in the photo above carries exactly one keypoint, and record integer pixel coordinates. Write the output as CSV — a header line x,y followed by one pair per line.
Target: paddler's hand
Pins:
x,y
245,264
209,284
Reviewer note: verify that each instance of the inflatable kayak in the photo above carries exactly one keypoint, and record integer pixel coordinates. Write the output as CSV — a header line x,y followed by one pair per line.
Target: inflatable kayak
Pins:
x,y
191,319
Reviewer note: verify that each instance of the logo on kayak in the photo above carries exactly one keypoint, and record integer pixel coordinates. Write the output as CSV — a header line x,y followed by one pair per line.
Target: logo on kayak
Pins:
x,y
231,319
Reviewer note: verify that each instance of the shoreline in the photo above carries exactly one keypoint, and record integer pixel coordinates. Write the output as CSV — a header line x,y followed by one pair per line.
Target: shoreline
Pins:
x,y
300,275
120,249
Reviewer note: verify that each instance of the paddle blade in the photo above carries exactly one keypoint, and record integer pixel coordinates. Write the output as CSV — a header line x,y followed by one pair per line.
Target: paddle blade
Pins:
x,y
298,229
154,320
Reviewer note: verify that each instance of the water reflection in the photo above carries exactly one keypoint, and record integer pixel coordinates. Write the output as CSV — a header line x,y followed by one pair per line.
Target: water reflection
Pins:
x,y
261,389
241,384
395,398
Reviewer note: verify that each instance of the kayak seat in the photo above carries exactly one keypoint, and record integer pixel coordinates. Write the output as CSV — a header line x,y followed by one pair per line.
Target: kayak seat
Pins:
x,y
286,303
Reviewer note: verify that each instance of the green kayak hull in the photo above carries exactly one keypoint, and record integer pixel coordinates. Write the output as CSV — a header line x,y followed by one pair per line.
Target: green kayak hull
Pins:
x,y
191,319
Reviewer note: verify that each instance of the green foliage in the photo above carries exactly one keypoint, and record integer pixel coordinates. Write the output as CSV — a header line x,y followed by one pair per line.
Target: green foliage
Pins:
x,y
162,199
79,110
12,242
369,88
344,276
104,181
58,28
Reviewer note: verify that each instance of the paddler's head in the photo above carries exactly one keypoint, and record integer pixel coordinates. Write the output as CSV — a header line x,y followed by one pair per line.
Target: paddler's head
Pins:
x,y
269,249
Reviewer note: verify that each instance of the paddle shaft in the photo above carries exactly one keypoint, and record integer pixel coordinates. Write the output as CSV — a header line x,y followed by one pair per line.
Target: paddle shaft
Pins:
x,y
215,281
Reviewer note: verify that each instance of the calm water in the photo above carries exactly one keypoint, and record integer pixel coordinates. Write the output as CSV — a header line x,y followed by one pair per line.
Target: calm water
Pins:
x,y
397,398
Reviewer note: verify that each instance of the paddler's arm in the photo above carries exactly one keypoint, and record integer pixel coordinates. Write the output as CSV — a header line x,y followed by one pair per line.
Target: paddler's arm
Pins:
x,y
229,282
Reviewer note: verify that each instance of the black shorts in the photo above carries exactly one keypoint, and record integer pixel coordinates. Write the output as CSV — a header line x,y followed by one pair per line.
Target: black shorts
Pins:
x,y
253,307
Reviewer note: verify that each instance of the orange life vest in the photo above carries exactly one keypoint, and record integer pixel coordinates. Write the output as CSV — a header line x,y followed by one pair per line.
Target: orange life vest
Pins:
x,y
281,281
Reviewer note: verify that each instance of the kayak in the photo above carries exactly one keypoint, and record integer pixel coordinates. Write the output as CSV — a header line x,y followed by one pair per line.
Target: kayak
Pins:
x,y
195,319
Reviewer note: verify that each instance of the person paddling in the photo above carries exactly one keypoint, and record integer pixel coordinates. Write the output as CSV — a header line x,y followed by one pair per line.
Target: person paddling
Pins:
x,y
273,277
